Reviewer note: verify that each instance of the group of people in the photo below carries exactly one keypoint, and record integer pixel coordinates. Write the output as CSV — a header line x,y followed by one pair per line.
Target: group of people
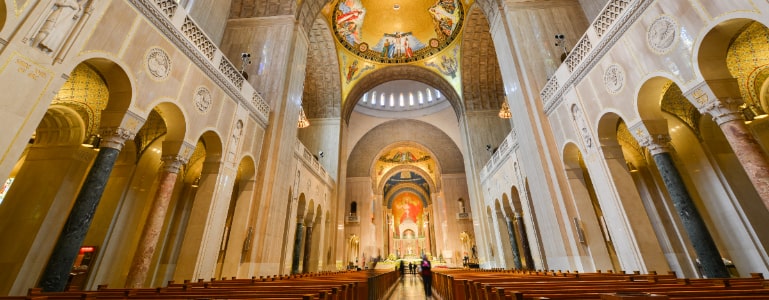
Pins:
x,y
425,271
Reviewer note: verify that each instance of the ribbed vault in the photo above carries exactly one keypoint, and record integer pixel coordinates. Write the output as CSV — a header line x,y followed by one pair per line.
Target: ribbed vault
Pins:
x,y
365,151
482,85
322,92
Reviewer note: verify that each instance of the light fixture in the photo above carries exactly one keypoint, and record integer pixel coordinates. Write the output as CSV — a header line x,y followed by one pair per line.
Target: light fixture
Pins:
x,y
321,154
504,111
303,122
92,141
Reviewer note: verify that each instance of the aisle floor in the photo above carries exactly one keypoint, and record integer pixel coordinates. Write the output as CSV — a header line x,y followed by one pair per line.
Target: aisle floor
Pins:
x,y
410,287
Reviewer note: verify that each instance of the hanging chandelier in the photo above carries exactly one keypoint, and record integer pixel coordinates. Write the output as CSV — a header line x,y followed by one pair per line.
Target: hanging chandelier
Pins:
x,y
303,122
504,111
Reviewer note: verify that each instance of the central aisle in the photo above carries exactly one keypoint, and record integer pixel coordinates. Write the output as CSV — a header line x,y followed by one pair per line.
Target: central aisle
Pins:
x,y
410,287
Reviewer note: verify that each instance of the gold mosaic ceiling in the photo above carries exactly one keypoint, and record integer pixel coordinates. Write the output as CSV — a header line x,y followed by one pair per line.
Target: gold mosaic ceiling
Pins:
x,y
396,31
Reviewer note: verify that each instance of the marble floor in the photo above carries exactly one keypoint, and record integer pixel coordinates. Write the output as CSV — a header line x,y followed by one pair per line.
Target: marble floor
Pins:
x,y
410,287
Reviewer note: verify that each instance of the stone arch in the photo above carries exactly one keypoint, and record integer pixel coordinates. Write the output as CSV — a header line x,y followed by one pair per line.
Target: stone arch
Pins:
x,y
446,151
322,93
432,184
121,90
401,72
61,125
174,117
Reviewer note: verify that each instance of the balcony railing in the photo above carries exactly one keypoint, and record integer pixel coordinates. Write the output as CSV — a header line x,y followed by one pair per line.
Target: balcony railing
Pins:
x,y
178,27
603,33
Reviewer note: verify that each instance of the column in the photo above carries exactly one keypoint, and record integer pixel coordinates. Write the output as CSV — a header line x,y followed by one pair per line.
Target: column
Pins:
x,y
702,241
56,274
307,249
747,150
514,244
154,224
297,247
527,258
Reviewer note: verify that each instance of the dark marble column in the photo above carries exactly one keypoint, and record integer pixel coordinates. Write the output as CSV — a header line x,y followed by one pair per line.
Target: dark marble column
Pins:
x,y
514,244
298,236
307,250
149,239
527,257
702,241
56,274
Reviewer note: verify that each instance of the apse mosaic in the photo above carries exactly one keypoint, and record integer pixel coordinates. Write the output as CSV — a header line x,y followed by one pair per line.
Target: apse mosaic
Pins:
x,y
405,155
397,31
408,215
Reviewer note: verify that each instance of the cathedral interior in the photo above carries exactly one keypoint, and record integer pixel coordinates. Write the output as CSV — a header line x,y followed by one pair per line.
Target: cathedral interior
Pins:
x,y
157,140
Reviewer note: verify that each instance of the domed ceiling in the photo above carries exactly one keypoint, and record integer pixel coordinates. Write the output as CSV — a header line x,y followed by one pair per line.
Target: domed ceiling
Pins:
x,y
396,31
373,35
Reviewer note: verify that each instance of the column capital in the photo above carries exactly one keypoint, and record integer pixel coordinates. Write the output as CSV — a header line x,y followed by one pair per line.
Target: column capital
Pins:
x,y
652,135
115,137
723,109
172,163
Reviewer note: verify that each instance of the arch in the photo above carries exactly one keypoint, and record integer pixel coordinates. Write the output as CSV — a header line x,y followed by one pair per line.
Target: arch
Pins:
x,y
409,188
61,125
506,208
364,152
381,184
712,48
401,72
119,83
174,117
353,208
301,207
649,97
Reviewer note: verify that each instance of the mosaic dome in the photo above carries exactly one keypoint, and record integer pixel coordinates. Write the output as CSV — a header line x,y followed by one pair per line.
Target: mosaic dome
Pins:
x,y
397,31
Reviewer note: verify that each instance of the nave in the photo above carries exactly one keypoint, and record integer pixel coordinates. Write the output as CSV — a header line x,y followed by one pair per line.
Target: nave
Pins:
x,y
409,287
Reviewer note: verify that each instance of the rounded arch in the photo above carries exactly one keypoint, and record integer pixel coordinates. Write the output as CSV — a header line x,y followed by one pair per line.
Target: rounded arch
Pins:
x,y
301,207
61,125
119,83
213,143
506,206
649,95
607,129
174,117
247,169
401,72
515,198
309,218
379,186
408,188
446,151
711,49
571,156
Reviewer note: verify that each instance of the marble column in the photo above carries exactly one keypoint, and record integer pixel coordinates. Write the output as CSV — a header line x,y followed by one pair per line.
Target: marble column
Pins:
x,y
514,244
527,257
56,274
702,241
298,236
307,250
745,146
154,224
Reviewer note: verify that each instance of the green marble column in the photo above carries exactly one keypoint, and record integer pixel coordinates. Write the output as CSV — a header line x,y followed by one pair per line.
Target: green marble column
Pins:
x,y
56,274
527,257
514,244
307,250
298,236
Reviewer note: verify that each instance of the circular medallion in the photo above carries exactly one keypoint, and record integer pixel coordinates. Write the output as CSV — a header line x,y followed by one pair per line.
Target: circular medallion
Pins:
x,y
202,99
662,34
614,79
158,63
393,31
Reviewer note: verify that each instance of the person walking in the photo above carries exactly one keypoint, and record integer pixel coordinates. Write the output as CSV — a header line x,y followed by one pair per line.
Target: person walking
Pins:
x,y
427,276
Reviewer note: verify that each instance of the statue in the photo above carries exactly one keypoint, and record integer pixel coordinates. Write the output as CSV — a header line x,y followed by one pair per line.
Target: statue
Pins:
x,y
60,20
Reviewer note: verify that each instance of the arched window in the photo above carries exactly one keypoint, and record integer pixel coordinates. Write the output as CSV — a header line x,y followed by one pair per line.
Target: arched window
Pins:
x,y
353,208
461,204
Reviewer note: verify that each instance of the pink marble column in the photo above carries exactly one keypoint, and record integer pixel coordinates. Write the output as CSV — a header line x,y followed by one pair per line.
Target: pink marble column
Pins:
x,y
154,224
744,145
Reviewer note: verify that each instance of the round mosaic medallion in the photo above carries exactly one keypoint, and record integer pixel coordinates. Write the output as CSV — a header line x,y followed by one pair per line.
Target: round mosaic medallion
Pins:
x,y
394,31
614,79
202,99
662,34
158,63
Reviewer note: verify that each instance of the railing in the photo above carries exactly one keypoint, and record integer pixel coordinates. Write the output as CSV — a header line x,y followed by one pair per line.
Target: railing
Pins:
x,y
178,27
508,145
615,17
312,163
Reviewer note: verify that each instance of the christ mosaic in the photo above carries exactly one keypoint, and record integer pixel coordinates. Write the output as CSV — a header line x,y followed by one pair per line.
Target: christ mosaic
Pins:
x,y
397,31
